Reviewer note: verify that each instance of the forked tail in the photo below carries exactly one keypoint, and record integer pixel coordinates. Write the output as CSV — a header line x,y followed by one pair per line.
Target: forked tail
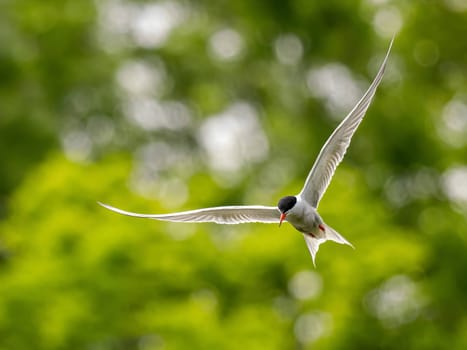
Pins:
x,y
313,245
330,234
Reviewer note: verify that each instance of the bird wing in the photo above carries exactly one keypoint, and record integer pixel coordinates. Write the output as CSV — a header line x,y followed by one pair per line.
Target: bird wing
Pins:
x,y
219,215
335,147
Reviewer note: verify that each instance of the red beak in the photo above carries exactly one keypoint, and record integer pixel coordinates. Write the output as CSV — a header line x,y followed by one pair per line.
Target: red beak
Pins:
x,y
283,215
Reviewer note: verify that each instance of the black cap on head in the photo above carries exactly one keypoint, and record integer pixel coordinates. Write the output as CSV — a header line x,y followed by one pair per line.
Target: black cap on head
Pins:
x,y
286,203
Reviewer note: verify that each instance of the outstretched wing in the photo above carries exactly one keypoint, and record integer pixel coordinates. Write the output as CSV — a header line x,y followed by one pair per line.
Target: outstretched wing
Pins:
x,y
219,215
335,147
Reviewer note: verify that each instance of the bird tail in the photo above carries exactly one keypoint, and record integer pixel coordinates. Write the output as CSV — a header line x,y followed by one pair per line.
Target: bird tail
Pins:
x,y
333,235
313,245
330,234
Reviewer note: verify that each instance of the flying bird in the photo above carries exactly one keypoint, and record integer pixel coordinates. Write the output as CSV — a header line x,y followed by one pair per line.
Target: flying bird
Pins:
x,y
299,210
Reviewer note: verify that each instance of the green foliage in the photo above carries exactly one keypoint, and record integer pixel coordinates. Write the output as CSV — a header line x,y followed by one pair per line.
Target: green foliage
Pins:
x,y
95,109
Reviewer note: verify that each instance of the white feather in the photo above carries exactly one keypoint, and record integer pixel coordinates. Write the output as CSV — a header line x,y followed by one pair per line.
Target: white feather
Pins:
x,y
335,147
219,215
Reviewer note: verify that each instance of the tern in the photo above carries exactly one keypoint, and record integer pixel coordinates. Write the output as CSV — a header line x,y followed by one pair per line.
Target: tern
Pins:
x,y
299,210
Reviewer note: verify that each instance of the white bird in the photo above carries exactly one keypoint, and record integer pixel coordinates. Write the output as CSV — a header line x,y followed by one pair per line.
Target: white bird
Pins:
x,y
299,210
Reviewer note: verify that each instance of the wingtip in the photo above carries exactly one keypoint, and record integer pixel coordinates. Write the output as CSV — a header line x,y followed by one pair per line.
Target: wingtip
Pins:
x,y
390,47
386,57
103,204
109,207
392,40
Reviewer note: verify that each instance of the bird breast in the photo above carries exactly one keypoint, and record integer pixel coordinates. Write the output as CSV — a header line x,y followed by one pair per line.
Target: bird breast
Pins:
x,y
305,218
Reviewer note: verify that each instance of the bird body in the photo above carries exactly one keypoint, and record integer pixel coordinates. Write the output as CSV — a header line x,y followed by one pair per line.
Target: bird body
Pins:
x,y
299,210
305,218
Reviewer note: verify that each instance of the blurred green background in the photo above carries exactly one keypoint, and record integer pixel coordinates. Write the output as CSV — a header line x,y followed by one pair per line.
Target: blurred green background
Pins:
x,y
169,105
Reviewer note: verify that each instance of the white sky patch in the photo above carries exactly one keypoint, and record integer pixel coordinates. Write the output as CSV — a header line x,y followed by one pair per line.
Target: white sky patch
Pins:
x,y
454,183
311,326
226,45
115,16
305,285
421,184
157,156
453,126
387,21
456,5
288,49
77,145
172,193
147,25
396,191
397,301
139,78
142,84
154,22
147,179
334,84
233,138
101,129
377,2
151,114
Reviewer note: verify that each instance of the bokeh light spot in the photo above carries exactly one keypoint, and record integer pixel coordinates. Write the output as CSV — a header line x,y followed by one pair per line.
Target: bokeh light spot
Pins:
x,y
288,49
226,44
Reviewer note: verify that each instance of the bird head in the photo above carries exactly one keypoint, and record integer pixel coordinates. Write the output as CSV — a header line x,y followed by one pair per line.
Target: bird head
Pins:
x,y
285,205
